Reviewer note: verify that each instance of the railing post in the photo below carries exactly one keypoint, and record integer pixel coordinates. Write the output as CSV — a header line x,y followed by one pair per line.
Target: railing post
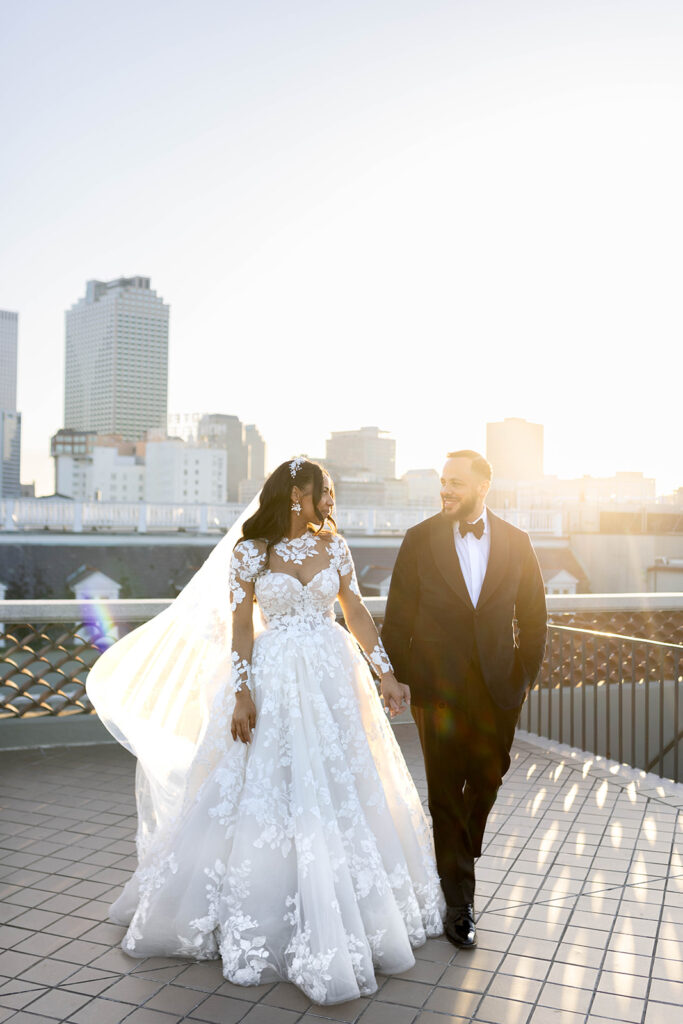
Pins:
x,y
78,517
203,519
142,517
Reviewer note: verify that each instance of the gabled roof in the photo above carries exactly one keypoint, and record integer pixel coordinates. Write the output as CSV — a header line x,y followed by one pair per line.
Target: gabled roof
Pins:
x,y
83,573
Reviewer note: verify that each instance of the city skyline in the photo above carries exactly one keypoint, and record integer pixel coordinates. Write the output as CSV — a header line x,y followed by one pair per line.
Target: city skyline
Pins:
x,y
427,219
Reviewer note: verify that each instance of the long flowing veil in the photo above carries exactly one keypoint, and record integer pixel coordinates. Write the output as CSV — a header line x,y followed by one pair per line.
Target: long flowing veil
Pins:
x,y
162,690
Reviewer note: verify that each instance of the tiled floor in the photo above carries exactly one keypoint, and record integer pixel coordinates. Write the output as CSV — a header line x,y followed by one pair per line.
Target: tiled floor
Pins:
x,y
580,906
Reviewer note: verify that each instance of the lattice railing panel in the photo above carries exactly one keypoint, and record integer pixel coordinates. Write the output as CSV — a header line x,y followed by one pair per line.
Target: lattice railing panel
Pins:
x,y
43,667
586,657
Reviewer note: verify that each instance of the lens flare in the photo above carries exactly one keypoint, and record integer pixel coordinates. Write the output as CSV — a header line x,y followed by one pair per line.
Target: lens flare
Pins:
x,y
100,628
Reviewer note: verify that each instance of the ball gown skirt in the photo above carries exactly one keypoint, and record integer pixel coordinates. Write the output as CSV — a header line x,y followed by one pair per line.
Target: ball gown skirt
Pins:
x,y
305,855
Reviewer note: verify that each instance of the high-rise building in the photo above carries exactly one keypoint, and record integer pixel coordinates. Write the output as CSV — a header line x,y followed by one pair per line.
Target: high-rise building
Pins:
x,y
10,454
9,331
515,449
217,430
116,374
367,449
183,425
256,453
10,419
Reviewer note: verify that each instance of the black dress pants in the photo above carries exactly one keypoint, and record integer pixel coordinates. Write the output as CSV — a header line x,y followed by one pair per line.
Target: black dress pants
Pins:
x,y
466,748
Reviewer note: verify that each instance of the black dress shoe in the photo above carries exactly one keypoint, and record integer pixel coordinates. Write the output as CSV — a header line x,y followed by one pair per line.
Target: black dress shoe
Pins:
x,y
459,926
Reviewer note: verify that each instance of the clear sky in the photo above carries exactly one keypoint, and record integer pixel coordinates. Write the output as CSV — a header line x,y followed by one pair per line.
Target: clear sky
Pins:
x,y
418,215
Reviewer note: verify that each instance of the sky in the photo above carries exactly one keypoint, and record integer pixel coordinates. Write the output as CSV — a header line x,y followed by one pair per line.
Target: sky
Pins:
x,y
421,215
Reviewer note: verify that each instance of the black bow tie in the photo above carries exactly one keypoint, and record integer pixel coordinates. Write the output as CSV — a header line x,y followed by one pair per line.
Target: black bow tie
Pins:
x,y
476,528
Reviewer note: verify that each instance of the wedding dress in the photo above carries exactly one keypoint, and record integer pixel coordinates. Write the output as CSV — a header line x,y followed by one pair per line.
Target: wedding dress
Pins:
x,y
304,855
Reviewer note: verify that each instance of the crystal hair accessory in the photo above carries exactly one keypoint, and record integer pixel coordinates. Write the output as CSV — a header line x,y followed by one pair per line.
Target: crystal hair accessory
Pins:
x,y
296,464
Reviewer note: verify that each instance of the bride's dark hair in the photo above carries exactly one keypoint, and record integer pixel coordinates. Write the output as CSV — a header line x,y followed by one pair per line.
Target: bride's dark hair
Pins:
x,y
271,520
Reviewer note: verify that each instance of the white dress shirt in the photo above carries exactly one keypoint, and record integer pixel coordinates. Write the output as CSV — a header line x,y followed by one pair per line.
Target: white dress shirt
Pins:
x,y
473,555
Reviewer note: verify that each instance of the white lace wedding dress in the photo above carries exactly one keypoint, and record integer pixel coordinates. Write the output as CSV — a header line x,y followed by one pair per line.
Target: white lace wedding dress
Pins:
x,y
305,855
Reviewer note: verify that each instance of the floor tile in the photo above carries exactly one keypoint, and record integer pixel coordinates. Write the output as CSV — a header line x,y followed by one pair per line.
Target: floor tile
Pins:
x,y
502,1011
224,1010
100,1011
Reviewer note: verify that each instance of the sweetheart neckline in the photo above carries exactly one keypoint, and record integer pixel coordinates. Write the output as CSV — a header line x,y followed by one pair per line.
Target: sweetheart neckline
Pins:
x,y
275,572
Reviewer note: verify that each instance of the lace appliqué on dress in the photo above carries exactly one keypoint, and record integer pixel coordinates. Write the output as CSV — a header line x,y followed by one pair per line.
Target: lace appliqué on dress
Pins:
x,y
240,675
297,549
245,565
380,659
343,563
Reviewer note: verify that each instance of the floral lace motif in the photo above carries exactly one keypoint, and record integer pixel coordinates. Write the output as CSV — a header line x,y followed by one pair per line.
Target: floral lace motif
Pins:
x,y
247,561
297,549
341,559
380,659
240,675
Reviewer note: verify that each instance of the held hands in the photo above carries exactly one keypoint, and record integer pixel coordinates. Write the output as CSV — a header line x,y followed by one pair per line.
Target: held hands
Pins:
x,y
396,696
244,716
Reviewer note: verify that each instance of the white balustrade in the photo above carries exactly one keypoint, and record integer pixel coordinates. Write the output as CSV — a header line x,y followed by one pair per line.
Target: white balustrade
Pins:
x,y
140,517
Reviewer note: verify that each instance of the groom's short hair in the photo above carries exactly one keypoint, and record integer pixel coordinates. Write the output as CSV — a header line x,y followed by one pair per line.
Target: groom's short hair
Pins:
x,y
480,465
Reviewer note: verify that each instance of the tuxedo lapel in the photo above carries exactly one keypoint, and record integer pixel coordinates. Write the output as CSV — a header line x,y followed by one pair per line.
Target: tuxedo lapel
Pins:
x,y
498,557
446,558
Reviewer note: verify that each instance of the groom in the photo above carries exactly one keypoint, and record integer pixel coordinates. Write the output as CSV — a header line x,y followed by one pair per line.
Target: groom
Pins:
x,y
460,580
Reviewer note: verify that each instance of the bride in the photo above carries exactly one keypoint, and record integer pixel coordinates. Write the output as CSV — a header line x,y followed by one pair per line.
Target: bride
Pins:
x,y
278,826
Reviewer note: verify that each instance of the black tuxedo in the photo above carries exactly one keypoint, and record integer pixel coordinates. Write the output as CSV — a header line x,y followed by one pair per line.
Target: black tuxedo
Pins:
x,y
467,673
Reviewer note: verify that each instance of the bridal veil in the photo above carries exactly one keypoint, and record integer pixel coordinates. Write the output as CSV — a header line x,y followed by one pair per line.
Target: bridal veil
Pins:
x,y
154,690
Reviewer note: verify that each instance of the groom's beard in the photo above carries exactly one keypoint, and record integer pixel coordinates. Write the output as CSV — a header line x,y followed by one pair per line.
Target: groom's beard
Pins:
x,y
463,510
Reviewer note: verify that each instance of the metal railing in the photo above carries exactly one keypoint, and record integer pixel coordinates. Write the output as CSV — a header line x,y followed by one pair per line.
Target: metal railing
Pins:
x,y
48,647
615,695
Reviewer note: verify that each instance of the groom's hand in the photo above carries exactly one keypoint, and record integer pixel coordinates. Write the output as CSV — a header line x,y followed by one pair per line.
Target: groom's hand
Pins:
x,y
396,696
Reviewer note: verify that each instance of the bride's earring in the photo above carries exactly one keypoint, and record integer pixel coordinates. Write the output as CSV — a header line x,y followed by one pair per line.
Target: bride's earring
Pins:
x,y
296,507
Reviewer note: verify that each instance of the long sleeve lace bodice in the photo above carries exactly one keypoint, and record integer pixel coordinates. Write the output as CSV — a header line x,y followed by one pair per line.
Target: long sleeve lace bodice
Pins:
x,y
296,592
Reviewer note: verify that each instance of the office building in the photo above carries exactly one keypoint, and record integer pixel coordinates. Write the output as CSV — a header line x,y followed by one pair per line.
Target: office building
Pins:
x,y
116,369
217,430
368,449
9,332
184,474
10,419
10,454
256,453
515,449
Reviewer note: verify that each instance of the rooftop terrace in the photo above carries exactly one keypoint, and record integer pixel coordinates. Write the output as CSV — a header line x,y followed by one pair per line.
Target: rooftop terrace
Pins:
x,y
580,905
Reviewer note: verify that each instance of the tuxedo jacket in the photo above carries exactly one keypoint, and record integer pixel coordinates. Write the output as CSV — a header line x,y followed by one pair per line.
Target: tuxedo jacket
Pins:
x,y
432,631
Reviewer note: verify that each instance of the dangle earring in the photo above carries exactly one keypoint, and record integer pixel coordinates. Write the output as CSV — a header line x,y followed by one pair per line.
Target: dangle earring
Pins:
x,y
296,507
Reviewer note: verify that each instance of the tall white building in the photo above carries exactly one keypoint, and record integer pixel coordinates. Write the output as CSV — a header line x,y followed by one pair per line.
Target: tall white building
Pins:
x,y
368,449
10,419
116,373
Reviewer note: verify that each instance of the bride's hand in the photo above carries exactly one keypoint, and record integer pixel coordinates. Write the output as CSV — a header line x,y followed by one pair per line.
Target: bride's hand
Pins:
x,y
243,717
396,696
